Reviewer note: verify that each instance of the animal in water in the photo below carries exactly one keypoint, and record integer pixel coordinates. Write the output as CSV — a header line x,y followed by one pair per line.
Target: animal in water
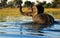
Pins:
x,y
40,17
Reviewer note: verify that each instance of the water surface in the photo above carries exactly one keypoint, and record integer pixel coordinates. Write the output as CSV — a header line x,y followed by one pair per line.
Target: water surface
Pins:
x,y
25,29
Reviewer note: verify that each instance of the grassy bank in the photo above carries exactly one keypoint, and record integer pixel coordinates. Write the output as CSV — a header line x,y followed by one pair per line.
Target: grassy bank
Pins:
x,y
14,12
55,12
9,12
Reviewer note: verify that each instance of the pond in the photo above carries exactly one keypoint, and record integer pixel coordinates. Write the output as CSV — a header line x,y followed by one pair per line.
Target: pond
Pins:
x,y
28,29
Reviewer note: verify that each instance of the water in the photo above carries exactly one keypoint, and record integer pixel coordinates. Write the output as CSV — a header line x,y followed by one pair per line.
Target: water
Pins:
x,y
25,29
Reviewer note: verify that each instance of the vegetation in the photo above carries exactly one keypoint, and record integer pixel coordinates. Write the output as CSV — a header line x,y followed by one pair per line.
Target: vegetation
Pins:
x,y
16,3
3,3
55,12
9,12
15,12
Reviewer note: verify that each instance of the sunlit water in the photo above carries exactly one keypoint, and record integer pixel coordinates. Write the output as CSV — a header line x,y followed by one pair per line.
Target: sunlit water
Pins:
x,y
28,28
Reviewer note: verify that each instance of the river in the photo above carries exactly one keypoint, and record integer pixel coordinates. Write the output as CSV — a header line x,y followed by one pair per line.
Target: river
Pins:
x,y
28,29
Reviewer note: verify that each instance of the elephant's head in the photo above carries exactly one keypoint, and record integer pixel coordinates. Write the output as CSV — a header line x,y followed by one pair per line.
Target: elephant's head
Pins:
x,y
29,11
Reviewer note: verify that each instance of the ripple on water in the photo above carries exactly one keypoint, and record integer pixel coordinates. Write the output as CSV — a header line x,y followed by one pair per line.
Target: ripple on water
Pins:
x,y
31,29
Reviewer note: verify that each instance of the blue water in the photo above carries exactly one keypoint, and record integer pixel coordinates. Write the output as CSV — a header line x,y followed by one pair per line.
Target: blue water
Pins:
x,y
28,29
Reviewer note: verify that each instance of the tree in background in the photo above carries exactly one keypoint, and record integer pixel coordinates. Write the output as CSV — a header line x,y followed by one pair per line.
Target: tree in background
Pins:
x,y
4,3
10,4
49,5
0,5
28,4
17,3
56,3
44,4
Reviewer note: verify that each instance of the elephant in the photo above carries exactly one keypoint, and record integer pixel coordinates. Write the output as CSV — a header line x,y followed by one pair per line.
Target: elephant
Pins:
x,y
40,18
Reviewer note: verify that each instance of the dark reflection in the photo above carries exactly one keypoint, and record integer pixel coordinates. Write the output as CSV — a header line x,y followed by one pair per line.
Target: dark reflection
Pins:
x,y
56,22
37,27
38,34
54,30
34,27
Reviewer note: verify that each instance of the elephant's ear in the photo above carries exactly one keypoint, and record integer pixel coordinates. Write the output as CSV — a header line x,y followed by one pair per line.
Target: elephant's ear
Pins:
x,y
34,11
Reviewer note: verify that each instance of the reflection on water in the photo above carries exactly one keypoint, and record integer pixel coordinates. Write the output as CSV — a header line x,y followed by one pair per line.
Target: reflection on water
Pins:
x,y
34,29
30,28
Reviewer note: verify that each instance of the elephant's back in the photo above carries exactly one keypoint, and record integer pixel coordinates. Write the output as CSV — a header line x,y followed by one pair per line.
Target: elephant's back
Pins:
x,y
42,18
